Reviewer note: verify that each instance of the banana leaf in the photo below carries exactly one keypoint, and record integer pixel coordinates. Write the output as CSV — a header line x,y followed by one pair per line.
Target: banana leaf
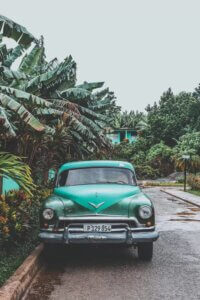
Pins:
x,y
8,75
13,55
21,111
76,94
15,31
6,123
52,80
25,96
13,167
90,86
32,61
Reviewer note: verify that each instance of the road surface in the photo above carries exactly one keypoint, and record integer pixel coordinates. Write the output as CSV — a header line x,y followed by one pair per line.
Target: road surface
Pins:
x,y
112,273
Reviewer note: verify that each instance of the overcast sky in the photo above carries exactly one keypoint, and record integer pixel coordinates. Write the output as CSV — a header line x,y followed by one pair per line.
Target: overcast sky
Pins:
x,y
139,48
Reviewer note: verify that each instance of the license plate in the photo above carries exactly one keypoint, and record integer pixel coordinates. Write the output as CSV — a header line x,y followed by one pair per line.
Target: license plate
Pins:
x,y
97,227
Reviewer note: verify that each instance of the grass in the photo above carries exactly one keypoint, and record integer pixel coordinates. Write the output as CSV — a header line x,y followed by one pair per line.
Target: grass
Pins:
x,y
12,257
194,192
151,183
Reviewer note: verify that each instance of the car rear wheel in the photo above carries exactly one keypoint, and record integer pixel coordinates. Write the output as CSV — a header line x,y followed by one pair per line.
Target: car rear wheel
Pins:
x,y
145,251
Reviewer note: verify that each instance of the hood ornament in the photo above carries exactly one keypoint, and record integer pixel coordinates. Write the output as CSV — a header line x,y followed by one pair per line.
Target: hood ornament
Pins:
x,y
96,205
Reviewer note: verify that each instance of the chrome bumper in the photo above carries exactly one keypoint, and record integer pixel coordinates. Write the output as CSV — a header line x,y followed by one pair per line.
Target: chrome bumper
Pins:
x,y
128,237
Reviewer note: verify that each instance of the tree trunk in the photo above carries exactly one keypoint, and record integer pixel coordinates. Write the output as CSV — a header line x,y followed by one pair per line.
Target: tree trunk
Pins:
x,y
1,185
46,176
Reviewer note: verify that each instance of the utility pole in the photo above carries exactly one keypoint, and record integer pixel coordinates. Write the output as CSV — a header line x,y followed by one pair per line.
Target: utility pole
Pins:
x,y
185,157
185,174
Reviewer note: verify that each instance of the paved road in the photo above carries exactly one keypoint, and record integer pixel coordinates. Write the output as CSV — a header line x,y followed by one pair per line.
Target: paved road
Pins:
x,y
112,273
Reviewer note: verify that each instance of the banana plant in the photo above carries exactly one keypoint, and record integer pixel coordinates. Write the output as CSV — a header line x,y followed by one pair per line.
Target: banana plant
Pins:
x,y
15,31
12,166
40,94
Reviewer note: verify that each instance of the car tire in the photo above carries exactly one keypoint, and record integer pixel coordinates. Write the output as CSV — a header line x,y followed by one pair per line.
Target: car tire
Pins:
x,y
145,251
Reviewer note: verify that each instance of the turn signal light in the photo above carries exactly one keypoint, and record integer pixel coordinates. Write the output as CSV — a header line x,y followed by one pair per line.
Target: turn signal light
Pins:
x,y
148,224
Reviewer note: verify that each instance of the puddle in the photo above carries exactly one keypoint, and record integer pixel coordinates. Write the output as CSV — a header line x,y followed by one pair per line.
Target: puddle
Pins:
x,y
185,220
185,213
172,199
43,287
194,209
45,282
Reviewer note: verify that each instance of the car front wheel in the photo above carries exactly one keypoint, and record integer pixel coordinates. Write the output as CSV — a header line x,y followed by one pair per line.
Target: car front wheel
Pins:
x,y
145,251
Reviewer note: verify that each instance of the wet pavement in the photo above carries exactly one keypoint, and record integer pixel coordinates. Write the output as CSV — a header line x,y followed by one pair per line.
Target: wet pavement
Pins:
x,y
179,193
116,273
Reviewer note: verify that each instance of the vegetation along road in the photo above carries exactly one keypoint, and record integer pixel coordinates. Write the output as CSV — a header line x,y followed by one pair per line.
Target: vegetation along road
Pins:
x,y
116,273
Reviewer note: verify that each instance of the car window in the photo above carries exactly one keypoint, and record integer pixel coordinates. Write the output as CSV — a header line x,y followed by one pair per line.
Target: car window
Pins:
x,y
96,176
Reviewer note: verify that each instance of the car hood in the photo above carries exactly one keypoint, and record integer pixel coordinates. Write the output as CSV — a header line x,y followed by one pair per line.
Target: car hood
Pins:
x,y
97,198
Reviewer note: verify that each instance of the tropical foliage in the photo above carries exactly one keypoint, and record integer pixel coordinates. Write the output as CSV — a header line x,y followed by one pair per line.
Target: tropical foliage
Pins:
x,y
188,144
19,215
41,106
13,167
168,130
194,182
127,119
173,116
47,118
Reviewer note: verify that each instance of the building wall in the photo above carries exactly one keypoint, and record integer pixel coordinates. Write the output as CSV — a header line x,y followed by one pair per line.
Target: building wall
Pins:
x,y
9,184
115,137
131,137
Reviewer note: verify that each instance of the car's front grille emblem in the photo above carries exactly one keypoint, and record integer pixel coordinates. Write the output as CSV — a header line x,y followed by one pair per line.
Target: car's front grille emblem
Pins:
x,y
96,205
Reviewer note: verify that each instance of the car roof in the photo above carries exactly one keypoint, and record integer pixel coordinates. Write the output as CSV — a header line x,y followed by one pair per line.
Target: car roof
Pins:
x,y
96,163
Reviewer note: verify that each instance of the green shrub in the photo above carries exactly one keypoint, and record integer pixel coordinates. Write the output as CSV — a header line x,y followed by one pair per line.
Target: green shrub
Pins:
x,y
159,157
180,179
19,216
146,172
194,181
12,257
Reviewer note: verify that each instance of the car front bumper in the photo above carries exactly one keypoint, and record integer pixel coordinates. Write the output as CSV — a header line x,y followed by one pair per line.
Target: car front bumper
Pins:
x,y
127,237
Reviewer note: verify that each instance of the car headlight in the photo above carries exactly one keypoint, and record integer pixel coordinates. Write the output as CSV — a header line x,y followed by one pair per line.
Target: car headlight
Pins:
x,y
48,214
145,212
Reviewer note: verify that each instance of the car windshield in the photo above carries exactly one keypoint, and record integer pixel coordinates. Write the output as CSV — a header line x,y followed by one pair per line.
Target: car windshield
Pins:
x,y
97,175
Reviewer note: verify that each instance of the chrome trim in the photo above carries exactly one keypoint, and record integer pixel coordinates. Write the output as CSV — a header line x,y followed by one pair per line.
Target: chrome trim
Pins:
x,y
126,228
78,227
54,230
128,237
102,218
138,229
96,205
81,230
133,229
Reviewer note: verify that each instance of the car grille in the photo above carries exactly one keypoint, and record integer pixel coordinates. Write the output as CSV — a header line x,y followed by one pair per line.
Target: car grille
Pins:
x,y
78,226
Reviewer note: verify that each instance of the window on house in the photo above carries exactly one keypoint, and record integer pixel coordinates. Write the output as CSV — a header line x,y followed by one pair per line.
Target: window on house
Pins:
x,y
122,135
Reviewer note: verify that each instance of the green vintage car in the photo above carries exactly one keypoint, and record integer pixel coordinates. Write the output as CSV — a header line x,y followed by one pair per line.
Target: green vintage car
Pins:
x,y
99,202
